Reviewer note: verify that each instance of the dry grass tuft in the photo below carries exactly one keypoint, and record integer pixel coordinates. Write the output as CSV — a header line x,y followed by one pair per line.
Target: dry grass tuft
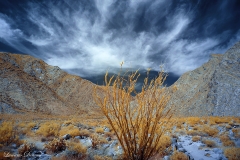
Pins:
x,y
195,133
85,132
236,132
97,140
232,153
49,129
209,130
97,157
226,141
76,149
56,145
196,138
178,156
164,145
25,149
193,120
8,133
99,130
209,143
70,129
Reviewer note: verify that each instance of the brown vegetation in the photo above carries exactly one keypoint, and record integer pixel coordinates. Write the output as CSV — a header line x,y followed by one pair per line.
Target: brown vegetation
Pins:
x,y
232,153
196,138
139,126
178,156
49,129
70,129
209,143
56,145
7,133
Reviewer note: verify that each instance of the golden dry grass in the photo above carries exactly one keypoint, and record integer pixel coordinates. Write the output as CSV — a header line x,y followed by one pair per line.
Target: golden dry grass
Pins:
x,y
76,148
178,156
97,140
164,145
97,157
209,143
70,129
232,153
26,148
99,130
85,132
196,138
211,131
8,133
50,128
226,141
56,145
236,132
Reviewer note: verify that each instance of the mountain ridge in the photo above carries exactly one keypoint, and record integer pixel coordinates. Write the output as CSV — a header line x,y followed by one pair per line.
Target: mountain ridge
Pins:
x,y
29,83
213,89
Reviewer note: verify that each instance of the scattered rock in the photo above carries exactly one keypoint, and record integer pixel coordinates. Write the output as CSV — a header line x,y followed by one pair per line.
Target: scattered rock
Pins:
x,y
108,138
67,136
106,129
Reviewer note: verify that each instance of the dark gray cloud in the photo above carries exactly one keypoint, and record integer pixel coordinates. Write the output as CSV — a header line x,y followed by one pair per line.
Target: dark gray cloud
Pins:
x,y
88,37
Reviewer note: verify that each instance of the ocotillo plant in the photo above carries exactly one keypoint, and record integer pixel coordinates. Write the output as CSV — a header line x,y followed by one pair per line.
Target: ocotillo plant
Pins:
x,y
139,121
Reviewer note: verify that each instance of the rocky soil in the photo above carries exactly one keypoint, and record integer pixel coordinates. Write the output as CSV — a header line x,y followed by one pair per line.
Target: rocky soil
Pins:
x,y
192,139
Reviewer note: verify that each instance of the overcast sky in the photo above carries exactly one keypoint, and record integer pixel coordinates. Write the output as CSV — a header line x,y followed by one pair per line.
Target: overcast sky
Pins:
x,y
88,37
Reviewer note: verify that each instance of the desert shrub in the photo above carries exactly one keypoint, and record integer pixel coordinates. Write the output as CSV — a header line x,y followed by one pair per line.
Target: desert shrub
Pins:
x,y
228,126
30,125
209,143
109,134
26,128
138,126
76,149
49,129
99,130
68,122
195,128
219,120
70,129
236,132
178,156
97,140
85,132
226,141
56,145
179,125
196,138
193,120
7,133
232,153
164,145
209,130
25,149
195,133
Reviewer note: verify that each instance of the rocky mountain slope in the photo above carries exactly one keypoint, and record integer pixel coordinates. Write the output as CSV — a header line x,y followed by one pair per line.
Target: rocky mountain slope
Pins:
x,y
212,89
29,84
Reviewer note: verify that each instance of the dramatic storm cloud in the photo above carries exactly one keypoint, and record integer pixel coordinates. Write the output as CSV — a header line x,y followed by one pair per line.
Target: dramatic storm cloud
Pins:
x,y
88,37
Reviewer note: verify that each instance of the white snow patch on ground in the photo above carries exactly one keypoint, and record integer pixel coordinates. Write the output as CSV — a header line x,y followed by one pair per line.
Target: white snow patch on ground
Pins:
x,y
192,149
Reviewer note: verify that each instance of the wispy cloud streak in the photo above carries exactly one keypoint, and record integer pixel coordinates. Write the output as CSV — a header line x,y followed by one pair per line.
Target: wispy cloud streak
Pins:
x,y
90,37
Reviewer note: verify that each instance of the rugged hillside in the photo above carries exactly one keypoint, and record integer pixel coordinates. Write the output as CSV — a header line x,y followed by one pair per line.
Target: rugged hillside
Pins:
x,y
29,84
212,89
